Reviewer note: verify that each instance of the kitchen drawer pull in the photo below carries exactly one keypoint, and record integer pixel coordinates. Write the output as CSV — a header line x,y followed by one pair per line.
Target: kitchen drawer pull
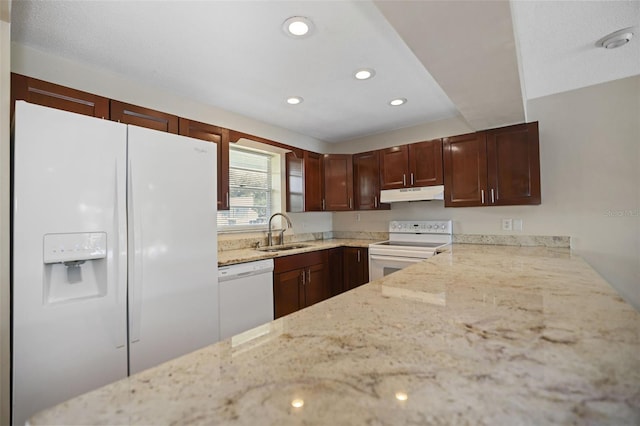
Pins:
x,y
303,280
309,276
482,195
350,203
323,207
358,256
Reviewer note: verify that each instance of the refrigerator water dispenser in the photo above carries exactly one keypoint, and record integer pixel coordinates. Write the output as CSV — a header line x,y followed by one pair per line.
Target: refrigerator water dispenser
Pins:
x,y
75,266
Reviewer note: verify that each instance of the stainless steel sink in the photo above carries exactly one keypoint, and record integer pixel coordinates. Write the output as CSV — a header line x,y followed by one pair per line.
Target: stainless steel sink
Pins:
x,y
283,247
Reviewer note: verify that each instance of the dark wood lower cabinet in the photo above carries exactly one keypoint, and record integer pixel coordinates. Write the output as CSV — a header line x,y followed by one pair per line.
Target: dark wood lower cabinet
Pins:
x,y
355,266
300,280
336,273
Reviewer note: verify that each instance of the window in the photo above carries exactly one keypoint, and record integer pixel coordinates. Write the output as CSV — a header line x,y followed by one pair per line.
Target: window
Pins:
x,y
254,189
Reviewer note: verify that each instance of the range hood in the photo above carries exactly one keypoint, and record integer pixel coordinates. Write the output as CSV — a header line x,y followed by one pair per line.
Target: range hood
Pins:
x,y
424,193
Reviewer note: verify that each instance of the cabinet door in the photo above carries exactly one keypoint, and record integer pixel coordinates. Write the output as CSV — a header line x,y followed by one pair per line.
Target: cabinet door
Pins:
x,y
313,201
338,182
295,182
394,164
356,267
316,288
425,163
287,292
143,117
366,181
465,170
335,272
220,136
55,96
513,161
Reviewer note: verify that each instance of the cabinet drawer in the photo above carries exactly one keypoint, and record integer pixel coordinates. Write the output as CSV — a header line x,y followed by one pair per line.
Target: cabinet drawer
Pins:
x,y
296,261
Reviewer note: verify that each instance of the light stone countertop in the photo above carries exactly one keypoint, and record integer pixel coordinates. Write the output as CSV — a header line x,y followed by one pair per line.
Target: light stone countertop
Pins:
x,y
480,335
230,257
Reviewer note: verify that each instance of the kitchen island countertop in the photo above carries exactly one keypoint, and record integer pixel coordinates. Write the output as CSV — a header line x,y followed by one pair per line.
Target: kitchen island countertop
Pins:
x,y
475,335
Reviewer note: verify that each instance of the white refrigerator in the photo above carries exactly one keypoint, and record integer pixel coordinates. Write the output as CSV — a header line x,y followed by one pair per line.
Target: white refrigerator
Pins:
x,y
114,253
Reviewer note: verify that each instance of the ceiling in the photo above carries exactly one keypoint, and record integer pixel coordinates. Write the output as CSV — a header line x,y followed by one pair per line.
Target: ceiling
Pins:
x,y
447,58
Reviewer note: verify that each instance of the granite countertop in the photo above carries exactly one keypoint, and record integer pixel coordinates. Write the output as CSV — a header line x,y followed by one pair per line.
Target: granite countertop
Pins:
x,y
476,335
230,257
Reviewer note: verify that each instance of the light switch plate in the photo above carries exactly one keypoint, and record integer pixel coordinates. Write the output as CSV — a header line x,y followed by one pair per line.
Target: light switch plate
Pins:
x,y
517,224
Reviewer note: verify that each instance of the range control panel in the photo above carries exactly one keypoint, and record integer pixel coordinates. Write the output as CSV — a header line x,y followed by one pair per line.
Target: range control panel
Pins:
x,y
421,226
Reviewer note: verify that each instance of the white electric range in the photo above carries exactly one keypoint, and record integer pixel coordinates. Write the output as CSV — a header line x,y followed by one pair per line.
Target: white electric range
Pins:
x,y
409,242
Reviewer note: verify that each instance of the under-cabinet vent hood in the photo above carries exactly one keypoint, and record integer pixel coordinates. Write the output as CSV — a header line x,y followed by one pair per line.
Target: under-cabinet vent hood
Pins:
x,y
424,193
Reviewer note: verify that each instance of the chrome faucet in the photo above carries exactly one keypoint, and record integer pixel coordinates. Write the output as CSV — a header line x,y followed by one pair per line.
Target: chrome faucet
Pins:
x,y
270,233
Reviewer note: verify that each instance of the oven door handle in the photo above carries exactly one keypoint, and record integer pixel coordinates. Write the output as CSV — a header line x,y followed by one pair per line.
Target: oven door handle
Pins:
x,y
396,259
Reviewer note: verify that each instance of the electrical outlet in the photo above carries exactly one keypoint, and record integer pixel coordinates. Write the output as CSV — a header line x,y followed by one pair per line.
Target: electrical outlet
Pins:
x,y
517,224
507,224
357,217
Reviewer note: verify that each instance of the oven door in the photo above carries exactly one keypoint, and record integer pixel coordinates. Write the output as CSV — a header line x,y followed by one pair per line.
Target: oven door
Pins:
x,y
383,265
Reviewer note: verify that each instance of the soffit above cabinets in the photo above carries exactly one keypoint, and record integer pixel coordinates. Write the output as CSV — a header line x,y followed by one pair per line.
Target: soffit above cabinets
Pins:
x,y
447,58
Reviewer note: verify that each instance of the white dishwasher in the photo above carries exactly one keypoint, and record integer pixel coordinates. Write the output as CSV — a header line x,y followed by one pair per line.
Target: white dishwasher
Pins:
x,y
245,296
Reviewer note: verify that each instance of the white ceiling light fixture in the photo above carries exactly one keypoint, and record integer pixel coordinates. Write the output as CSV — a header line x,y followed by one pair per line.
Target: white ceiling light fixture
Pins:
x,y
298,27
616,39
294,100
398,101
364,73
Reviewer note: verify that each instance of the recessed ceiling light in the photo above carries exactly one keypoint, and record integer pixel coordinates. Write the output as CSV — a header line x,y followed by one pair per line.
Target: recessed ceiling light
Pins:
x,y
616,39
294,100
398,101
364,73
297,26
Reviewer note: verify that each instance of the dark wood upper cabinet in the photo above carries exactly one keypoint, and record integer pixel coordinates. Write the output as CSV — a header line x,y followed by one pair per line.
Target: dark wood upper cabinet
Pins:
x,y
143,117
425,163
338,182
393,167
304,181
513,163
495,167
465,166
55,96
295,182
313,180
366,181
220,136
413,165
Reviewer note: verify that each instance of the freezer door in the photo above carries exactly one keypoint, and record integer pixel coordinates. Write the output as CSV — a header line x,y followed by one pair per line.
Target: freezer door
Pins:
x,y
69,321
173,294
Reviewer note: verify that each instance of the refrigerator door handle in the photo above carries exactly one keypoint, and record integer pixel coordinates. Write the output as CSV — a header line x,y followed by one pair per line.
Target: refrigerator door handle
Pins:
x,y
120,254
135,263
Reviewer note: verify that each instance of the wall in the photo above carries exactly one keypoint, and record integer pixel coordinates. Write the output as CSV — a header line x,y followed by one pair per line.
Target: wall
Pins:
x,y
5,205
437,129
590,172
